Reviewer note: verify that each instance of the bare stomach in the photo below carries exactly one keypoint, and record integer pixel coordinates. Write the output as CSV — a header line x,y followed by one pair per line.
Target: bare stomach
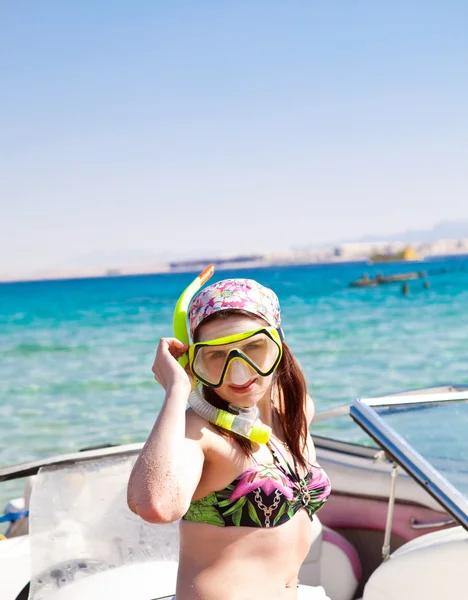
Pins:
x,y
242,563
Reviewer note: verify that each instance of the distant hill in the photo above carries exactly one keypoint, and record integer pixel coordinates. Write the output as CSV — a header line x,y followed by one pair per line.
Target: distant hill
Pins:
x,y
446,230
105,259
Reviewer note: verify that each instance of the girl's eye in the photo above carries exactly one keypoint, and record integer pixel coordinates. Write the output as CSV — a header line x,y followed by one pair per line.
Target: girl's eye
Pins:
x,y
256,345
215,355
252,346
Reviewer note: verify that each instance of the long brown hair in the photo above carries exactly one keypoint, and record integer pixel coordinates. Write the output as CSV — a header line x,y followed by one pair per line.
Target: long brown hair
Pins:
x,y
292,389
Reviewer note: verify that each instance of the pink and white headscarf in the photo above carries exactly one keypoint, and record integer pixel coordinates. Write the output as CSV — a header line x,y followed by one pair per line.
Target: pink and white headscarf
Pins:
x,y
244,294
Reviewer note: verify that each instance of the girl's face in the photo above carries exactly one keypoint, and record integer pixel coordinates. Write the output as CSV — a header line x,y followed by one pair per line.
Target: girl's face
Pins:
x,y
242,385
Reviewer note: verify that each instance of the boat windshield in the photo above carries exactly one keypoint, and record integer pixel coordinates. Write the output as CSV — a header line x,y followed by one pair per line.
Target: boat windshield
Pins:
x,y
424,434
81,506
335,424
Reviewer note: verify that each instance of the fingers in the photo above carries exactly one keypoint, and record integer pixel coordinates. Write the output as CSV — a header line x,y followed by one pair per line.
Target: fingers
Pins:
x,y
174,342
165,367
174,346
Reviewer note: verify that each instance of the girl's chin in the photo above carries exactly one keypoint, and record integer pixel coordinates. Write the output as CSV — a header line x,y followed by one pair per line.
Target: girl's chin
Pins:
x,y
244,400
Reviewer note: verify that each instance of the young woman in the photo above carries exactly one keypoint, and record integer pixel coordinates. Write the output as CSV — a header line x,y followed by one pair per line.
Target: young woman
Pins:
x,y
246,501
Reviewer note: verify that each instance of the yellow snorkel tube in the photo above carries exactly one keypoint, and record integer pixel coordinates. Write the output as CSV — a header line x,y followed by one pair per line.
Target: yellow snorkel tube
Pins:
x,y
245,422
181,309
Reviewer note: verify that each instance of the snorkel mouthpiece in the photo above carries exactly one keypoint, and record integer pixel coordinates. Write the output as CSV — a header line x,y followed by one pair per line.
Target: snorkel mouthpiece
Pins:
x,y
254,431
244,424
260,433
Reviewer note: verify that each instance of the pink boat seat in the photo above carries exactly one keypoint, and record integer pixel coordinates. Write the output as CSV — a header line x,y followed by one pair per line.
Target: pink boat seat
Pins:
x,y
332,562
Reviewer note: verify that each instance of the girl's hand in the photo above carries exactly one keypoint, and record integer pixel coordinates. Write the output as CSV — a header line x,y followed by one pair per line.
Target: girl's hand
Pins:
x,y
166,368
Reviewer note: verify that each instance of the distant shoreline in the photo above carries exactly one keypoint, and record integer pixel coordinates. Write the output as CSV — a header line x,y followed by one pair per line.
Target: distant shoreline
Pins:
x,y
220,265
167,269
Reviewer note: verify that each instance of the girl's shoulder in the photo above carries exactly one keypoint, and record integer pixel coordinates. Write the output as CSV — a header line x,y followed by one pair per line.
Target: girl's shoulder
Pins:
x,y
196,426
207,435
224,458
310,409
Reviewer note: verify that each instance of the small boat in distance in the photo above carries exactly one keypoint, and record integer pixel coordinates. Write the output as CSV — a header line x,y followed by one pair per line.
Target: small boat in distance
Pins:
x,y
407,254
380,279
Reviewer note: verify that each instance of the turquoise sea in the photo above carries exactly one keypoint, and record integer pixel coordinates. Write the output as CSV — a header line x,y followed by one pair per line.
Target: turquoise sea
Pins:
x,y
76,355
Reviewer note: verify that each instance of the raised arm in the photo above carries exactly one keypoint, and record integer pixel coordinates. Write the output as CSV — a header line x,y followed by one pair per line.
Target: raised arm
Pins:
x,y
170,464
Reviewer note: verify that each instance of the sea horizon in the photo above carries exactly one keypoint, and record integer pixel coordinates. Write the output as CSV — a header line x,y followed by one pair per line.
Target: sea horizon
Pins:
x,y
221,264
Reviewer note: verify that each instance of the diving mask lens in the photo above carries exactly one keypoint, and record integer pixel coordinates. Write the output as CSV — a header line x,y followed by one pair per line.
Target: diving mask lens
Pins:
x,y
213,360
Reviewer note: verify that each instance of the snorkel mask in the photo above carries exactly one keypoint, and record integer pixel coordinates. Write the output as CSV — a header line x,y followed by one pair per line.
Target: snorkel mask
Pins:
x,y
235,357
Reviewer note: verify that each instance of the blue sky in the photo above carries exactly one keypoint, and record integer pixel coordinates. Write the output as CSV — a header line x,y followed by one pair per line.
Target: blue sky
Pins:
x,y
132,130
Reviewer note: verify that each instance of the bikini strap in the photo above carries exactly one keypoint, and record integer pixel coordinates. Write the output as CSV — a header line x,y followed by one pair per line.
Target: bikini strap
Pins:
x,y
273,447
256,461
277,461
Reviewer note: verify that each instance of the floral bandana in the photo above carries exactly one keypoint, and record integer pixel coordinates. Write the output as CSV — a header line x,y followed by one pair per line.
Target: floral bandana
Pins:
x,y
243,294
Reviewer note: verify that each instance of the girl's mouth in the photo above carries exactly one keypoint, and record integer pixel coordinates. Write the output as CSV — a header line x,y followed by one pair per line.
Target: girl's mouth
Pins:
x,y
242,389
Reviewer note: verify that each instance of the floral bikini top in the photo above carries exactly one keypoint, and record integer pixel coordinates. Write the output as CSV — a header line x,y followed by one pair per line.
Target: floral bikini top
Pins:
x,y
263,496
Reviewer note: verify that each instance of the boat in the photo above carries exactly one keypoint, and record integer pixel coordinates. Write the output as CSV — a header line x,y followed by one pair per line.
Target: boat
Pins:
x,y
407,254
394,528
366,281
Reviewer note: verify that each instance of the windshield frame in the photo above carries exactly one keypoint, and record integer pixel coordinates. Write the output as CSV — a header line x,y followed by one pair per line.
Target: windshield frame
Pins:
x,y
363,412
